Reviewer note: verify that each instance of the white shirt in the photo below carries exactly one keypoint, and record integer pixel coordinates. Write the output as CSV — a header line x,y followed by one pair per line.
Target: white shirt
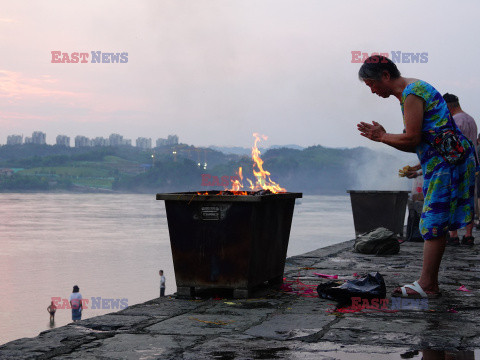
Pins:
x,y
162,281
78,299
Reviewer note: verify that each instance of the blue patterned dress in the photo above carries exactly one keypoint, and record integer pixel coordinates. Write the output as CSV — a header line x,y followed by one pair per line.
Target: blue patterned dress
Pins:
x,y
448,189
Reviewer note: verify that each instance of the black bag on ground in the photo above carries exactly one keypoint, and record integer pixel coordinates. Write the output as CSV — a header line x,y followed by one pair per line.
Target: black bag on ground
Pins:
x,y
379,241
413,221
368,287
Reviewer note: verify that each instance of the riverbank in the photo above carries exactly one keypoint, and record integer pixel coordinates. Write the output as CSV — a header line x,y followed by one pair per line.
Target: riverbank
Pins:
x,y
283,325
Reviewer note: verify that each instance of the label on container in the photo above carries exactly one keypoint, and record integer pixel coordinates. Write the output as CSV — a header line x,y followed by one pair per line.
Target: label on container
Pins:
x,y
210,213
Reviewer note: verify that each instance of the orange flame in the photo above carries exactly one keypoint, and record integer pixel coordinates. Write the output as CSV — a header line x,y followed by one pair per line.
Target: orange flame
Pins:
x,y
239,192
238,184
263,181
226,192
263,177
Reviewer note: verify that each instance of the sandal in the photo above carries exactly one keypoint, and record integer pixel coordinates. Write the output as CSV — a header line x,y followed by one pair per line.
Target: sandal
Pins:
x,y
468,240
453,241
420,294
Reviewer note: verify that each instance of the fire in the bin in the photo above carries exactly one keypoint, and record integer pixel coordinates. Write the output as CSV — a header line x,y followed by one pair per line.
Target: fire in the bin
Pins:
x,y
263,177
263,184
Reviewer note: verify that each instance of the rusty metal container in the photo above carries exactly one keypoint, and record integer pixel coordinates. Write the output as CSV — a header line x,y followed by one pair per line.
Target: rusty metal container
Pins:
x,y
228,241
375,208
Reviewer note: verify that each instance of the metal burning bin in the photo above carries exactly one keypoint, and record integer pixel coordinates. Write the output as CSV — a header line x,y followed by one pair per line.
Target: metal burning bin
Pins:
x,y
375,208
228,241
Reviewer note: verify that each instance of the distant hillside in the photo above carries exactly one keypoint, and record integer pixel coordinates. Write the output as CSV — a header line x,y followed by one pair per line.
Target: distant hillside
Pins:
x,y
236,150
52,168
321,170
313,170
290,146
247,151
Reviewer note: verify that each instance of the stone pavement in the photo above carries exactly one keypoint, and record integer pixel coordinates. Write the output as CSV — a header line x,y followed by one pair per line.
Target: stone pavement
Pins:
x,y
283,325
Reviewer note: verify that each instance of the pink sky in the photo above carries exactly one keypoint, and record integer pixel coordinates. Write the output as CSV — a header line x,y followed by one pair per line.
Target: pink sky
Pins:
x,y
213,72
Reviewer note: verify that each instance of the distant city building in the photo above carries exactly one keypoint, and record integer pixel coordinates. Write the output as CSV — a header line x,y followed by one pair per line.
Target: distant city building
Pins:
x,y
118,140
170,140
115,139
14,139
63,140
39,138
82,141
144,143
100,141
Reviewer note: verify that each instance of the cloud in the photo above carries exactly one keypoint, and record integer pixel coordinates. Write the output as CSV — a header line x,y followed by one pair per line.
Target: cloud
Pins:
x,y
44,97
16,86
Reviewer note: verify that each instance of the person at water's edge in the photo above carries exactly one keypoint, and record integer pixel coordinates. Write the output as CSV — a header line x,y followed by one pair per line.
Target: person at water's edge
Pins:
x,y
162,283
76,304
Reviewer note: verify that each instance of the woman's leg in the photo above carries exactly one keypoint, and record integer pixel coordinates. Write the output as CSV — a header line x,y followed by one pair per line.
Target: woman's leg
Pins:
x,y
432,257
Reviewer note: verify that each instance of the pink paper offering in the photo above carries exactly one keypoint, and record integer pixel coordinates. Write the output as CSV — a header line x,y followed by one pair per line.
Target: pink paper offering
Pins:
x,y
463,288
326,276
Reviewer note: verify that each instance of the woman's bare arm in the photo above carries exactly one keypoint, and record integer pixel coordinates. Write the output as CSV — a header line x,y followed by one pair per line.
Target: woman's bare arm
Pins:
x,y
408,141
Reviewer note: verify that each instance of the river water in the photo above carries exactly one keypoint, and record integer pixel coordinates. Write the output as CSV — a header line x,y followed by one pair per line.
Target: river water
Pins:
x,y
112,247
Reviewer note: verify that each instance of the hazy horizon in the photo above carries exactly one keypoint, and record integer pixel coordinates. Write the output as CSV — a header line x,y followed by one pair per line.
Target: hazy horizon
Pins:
x,y
214,72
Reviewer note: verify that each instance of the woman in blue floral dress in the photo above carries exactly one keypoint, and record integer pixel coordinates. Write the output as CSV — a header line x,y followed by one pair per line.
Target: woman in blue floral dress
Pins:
x,y
446,156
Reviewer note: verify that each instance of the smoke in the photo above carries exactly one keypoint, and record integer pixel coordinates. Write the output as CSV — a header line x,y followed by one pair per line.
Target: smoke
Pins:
x,y
375,170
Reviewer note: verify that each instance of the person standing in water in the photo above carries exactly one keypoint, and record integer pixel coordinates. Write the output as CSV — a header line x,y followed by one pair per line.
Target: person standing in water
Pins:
x,y
52,309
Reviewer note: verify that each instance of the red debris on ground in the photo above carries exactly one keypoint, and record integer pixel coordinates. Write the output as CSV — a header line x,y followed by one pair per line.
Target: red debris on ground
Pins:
x,y
299,288
326,276
355,309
